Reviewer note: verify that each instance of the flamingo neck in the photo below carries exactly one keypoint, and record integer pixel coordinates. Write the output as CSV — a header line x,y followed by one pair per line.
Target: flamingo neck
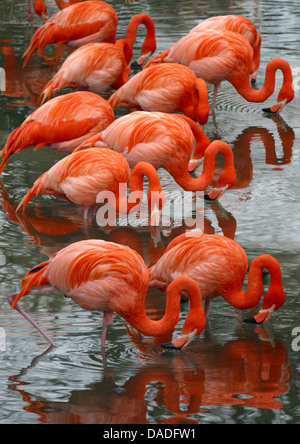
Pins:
x,y
155,192
126,48
228,176
252,296
243,87
149,44
202,142
195,319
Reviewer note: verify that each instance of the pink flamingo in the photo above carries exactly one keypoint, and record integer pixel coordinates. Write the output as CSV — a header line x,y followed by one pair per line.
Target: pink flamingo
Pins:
x,y
241,25
96,66
62,123
219,266
103,276
166,141
167,88
82,175
216,56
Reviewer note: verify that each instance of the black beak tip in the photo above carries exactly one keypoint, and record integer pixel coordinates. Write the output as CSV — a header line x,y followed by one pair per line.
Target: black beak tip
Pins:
x,y
135,65
250,321
267,111
207,198
170,346
253,82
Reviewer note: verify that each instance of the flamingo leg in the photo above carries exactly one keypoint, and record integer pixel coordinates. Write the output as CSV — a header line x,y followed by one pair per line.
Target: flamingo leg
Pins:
x,y
30,9
107,319
207,305
213,106
11,299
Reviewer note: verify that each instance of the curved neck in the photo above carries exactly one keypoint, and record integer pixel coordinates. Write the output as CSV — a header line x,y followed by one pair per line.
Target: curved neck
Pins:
x,y
227,177
243,87
252,296
134,200
149,43
139,319
202,141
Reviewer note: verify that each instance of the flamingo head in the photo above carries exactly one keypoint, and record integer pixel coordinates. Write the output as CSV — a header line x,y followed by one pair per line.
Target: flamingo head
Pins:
x,y
273,300
181,342
287,92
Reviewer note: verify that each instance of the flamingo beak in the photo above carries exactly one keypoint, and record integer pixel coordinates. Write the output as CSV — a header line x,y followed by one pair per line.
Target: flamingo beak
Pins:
x,y
276,109
143,58
262,316
216,194
181,342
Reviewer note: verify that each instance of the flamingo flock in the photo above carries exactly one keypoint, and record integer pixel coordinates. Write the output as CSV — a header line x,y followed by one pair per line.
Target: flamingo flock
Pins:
x,y
167,107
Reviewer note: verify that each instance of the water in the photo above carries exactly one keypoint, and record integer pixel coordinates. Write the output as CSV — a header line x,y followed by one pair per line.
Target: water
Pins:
x,y
232,373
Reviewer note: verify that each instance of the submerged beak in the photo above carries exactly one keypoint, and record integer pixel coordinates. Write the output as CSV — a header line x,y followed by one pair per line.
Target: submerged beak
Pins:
x,y
12,301
216,194
262,316
181,342
276,109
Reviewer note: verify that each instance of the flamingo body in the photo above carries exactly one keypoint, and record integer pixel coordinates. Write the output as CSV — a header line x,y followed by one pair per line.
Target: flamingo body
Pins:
x,y
77,25
219,266
103,276
166,141
216,56
96,66
240,25
81,176
166,88
63,123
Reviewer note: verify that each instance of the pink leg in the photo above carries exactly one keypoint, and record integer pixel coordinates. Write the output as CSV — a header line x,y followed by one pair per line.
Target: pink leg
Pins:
x,y
107,319
207,305
30,9
213,106
11,299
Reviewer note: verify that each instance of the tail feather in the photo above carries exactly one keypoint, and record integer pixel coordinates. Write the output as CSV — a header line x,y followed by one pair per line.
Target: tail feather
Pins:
x,y
34,278
56,83
160,58
37,189
90,142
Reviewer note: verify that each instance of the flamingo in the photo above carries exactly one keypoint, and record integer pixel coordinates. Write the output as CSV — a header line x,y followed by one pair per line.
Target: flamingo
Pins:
x,y
241,25
81,176
167,88
166,141
103,276
96,66
216,56
83,23
219,266
62,123
77,25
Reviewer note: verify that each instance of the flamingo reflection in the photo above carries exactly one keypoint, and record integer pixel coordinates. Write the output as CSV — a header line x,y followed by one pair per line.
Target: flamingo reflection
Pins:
x,y
243,372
